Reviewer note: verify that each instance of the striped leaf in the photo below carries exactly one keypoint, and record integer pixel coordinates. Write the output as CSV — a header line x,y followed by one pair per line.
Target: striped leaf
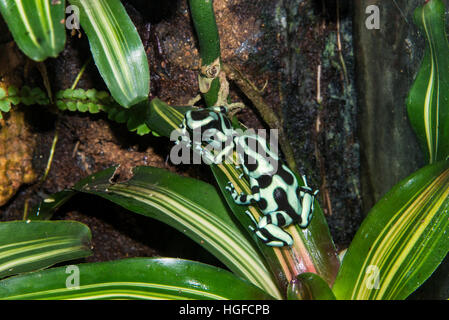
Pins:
x,y
163,118
117,49
402,240
27,246
36,25
191,206
428,100
138,278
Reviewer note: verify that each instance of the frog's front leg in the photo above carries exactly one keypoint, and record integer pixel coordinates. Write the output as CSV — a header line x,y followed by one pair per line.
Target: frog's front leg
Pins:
x,y
241,198
271,234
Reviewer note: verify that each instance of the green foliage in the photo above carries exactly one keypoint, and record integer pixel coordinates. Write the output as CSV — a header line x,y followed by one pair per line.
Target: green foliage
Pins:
x,y
26,95
91,101
137,278
36,26
175,200
27,246
94,101
402,240
428,100
117,49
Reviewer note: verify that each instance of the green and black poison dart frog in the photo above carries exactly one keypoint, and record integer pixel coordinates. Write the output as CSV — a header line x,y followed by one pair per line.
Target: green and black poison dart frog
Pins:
x,y
211,126
275,190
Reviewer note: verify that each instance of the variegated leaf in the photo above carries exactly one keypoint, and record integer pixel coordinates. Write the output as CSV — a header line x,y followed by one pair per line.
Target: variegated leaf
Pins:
x,y
117,49
428,100
38,26
191,206
402,240
137,278
27,246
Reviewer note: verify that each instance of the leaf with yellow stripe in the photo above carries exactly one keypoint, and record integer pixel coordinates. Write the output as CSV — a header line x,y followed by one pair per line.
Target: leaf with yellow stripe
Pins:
x,y
428,100
402,240
117,49
191,206
37,26
32,245
137,278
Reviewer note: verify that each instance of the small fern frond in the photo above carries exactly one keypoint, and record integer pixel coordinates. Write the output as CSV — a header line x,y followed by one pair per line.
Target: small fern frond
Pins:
x,y
26,95
94,101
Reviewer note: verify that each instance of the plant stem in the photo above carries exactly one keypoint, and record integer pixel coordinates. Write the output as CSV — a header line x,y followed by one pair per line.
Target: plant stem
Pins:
x,y
207,32
80,74
50,158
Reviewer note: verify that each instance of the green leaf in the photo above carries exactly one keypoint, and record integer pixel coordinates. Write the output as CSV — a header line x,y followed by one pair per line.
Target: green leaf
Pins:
x,y
191,206
163,118
402,240
36,25
428,100
5,106
27,246
309,286
2,93
117,49
137,278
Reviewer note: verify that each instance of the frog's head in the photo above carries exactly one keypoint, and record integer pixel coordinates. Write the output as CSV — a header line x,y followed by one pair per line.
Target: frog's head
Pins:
x,y
255,156
198,119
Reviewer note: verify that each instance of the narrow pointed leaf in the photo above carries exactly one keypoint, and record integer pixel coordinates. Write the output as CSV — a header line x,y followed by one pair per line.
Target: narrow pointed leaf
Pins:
x,y
309,286
191,206
428,100
402,240
117,49
27,246
36,25
137,278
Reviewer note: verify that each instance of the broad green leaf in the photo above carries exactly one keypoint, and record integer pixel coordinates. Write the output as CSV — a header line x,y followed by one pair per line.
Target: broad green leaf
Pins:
x,y
36,25
27,246
117,49
402,240
428,100
137,278
191,206
309,286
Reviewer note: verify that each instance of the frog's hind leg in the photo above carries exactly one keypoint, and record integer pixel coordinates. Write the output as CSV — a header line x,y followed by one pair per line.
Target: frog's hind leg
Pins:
x,y
272,235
